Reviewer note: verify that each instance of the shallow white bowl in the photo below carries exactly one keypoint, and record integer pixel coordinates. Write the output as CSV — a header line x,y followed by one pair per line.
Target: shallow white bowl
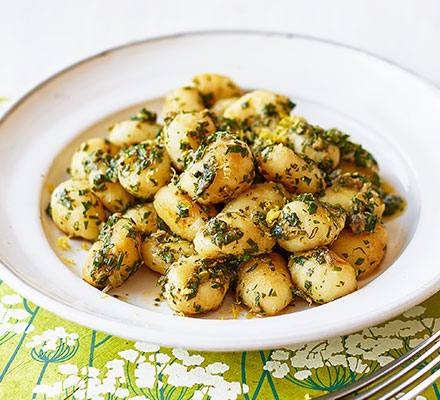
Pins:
x,y
389,110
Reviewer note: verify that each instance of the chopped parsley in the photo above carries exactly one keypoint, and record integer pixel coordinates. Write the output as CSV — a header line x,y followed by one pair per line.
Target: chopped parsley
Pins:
x,y
221,233
145,115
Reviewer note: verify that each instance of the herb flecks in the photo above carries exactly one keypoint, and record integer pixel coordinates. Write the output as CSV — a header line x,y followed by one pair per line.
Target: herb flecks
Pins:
x,y
222,233
145,115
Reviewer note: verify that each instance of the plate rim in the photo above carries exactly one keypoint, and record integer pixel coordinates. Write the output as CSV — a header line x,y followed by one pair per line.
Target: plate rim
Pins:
x,y
288,35
14,280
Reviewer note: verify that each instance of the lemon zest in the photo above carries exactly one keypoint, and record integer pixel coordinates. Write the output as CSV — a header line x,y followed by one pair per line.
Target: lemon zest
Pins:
x,y
272,216
67,260
63,243
235,311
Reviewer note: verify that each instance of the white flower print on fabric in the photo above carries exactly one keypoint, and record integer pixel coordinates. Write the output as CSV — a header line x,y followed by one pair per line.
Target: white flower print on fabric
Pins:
x,y
280,355
158,372
86,383
277,368
49,390
129,355
301,375
416,311
13,318
184,356
145,374
51,338
323,365
11,299
115,372
217,368
146,347
68,369
122,392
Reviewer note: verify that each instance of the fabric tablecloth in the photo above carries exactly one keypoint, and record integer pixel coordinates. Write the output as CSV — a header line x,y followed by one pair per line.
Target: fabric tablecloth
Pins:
x,y
43,356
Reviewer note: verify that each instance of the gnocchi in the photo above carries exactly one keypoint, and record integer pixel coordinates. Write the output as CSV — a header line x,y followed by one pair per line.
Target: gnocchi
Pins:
x,y
220,170
161,249
116,255
101,173
259,106
77,168
180,213
232,233
232,193
281,164
76,210
143,168
264,284
306,223
144,216
184,133
358,198
321,275
185,98
139,128
196,285
363,251
215,87
259,198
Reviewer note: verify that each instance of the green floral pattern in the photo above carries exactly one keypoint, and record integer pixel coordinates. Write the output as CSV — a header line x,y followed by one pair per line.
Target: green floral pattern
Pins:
x,y
43,356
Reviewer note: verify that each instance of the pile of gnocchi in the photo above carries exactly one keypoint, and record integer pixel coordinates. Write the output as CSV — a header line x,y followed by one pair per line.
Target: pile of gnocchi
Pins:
x,y
232,192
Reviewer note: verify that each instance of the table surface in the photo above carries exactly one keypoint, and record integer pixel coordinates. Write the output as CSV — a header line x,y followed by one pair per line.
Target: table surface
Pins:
x,y
43,356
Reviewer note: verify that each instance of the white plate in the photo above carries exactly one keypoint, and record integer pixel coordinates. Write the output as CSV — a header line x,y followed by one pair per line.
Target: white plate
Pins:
x,y
390,111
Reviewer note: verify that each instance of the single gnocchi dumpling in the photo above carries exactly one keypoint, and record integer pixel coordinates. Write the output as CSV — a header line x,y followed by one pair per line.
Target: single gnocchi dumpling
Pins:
x,y
144,216
184,133
259,198
143,168
356,195
180,213
76,210
341,195
103,179
184,98
312,141
214,87
364,251
197,285
219,171
219,107
281,164
86,148
139,128
259,106
161,249
232,233
321,275
306,223
264,284
115,256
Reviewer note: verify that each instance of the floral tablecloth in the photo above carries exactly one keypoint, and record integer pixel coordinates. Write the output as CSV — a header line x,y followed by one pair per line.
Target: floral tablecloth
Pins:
x,y
43,356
